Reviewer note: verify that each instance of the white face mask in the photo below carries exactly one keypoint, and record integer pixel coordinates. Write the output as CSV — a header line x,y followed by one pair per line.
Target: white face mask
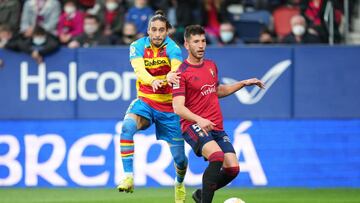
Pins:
x,y
39,40
226,36
298,30
90,29
69,9
111,6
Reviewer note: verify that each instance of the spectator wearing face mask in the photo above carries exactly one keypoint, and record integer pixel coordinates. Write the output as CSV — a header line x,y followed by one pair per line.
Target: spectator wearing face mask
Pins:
x,y
92,35
112,17
40,44
227,35
71,22
129,34
299,33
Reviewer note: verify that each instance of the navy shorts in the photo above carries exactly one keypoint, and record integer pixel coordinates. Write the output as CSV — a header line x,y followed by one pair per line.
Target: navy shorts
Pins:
x,y
196,138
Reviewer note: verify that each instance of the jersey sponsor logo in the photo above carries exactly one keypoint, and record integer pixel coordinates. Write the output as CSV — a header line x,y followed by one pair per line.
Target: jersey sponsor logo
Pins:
x,y
255,95
154,62
226,138
208,89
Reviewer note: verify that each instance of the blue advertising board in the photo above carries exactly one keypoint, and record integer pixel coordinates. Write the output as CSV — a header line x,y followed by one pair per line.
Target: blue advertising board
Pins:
x,y
277,153
301,82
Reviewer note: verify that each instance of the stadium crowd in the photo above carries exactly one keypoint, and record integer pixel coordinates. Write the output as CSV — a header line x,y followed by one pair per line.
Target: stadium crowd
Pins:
x,y
39,27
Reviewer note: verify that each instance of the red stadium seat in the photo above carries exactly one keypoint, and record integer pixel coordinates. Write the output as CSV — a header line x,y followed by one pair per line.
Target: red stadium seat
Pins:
x,y
281,17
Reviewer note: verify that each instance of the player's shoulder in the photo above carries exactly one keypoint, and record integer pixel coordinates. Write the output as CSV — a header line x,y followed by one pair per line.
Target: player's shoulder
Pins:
x,y
183,67
171,44
209,61
139,43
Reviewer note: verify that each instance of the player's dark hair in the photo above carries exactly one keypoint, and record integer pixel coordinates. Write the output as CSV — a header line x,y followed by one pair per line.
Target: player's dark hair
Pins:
x,y
160,15
193,30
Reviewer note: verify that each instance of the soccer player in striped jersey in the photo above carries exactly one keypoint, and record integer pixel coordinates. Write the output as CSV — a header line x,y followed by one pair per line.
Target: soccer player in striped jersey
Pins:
x,y
195,100
155,60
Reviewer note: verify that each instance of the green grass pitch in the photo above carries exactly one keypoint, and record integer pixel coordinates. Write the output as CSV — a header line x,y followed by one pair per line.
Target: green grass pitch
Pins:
x,y
165,195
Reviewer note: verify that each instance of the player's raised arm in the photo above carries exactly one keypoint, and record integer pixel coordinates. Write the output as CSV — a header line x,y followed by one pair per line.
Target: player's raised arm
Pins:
x,y
225,90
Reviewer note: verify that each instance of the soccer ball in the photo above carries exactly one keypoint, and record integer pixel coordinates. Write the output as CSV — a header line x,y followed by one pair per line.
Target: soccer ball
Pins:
x,y
234,200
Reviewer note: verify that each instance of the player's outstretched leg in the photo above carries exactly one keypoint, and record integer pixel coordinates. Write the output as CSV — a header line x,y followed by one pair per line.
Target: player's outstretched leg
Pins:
x,y
129,128
180,164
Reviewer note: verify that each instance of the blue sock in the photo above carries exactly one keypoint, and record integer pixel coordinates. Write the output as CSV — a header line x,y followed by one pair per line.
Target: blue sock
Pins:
x,y
180,160
129,128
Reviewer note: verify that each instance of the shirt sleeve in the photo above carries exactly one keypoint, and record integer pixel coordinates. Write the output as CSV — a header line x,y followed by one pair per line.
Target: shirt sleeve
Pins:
x,y
137,62
136,50
174,51
180,89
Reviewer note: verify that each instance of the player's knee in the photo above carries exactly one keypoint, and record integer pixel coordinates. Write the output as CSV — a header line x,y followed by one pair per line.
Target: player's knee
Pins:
x,y
129,126
217,156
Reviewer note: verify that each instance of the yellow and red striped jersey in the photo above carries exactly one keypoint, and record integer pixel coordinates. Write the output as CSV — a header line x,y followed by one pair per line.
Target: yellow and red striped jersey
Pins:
x,y
152,63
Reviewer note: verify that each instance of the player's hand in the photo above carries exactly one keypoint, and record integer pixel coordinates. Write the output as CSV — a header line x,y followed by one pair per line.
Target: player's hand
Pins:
x,y
254,81
156,84
173,77
206,125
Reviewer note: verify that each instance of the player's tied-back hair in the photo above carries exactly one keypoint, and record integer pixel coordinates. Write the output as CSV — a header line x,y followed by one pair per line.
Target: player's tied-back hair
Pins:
x,y
193,30
160,15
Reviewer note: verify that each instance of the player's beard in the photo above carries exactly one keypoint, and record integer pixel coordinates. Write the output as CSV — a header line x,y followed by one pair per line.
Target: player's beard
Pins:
x,y
158,42
196,54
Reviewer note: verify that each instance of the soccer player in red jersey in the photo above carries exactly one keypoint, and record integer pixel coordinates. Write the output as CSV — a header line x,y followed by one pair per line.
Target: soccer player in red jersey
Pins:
x,y
195,100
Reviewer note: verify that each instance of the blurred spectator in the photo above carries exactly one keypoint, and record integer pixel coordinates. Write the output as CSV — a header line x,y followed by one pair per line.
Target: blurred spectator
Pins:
x,y
86,4
8,39
40,44
10,13
129,34
111,17
140,14
92,35
266,37
227,35
71,22
187,12
314,11
44,13
211,19
299,33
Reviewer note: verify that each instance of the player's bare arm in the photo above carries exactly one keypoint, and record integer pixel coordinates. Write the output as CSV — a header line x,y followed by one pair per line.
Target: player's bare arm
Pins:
x,y
225,90
181,110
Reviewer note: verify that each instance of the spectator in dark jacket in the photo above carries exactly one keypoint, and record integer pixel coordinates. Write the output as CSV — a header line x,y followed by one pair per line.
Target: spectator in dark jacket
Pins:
x,y
9,39
40,44
299,33
112,16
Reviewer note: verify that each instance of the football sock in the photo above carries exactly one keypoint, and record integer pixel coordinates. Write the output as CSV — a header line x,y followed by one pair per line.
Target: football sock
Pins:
x,y
180,162
129,128
211,176
227,175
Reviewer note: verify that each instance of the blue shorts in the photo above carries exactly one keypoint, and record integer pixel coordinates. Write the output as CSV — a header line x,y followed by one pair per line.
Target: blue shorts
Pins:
x,y
167,124
197,139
